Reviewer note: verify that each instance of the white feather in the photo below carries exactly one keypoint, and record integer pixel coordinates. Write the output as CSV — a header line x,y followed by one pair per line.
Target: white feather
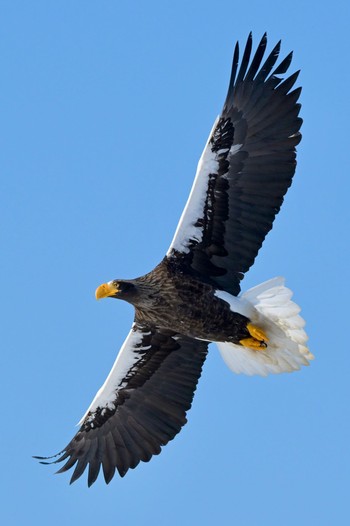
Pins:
x,y
186,229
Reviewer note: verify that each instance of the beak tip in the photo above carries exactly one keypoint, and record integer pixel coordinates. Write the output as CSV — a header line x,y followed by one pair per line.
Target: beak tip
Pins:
x,y
105,290
101,291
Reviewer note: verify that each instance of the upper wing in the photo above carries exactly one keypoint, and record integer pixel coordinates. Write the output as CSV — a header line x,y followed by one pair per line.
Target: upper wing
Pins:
x,y
141,406
244,172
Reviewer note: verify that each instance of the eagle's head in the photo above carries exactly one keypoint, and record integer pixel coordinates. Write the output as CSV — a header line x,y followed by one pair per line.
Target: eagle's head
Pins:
x,y
116,288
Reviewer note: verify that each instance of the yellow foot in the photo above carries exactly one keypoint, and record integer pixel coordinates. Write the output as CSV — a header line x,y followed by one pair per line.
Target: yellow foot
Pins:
x,y
257,333
258,339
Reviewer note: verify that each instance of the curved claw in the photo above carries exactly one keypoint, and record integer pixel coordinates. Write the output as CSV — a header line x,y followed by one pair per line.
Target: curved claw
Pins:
x,y
258,339
257,333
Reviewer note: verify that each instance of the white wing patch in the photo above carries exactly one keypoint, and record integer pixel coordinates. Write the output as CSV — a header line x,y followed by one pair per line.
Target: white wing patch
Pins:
x,y
194,209
237,303
235,148
128,356
270,307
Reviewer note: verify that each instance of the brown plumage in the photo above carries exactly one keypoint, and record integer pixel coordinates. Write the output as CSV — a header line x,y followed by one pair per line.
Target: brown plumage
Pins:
x,y
166,291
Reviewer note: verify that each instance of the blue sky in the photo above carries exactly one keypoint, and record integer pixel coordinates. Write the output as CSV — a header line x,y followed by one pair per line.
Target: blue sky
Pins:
x,y
106,107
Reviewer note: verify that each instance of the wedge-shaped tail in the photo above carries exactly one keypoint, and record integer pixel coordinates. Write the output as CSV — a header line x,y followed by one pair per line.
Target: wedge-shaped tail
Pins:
x,y
273,310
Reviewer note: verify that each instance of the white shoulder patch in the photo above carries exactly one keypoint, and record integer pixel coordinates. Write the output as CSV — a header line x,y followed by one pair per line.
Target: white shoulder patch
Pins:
x,y
128,356
194,209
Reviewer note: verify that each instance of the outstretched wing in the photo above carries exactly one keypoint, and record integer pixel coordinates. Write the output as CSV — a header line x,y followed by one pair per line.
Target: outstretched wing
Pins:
x,y
244,172
141,406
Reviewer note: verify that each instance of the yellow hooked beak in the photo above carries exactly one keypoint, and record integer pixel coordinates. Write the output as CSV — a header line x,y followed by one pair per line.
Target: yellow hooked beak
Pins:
x,y
105,290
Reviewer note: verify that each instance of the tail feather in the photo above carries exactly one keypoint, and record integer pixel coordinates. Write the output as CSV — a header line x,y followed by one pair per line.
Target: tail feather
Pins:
x,y
274,312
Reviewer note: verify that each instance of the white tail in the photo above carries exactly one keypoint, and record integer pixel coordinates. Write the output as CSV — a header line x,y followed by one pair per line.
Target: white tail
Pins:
x,y
271,309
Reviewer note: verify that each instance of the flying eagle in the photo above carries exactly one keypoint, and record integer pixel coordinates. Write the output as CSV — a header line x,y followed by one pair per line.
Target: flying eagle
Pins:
x,y
192,297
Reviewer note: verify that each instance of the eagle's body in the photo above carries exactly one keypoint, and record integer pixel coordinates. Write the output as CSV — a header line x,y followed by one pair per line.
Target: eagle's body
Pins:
x,y
193,296
200,313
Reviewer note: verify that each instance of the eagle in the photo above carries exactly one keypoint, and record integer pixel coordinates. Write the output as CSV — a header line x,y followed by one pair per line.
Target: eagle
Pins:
x,y
193,297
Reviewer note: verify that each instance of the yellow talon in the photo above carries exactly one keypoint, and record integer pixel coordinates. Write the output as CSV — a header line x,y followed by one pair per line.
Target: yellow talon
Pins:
x,y
257,333
258,339
253,343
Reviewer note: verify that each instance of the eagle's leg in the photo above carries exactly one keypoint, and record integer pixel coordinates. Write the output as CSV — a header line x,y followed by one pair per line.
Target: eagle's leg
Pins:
x,y
258,338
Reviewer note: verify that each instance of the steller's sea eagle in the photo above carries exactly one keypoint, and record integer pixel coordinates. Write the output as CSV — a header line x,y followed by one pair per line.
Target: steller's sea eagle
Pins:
x,y
192,297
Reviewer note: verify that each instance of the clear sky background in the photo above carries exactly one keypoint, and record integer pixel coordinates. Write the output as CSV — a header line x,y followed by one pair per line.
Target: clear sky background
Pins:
x,y
105,109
